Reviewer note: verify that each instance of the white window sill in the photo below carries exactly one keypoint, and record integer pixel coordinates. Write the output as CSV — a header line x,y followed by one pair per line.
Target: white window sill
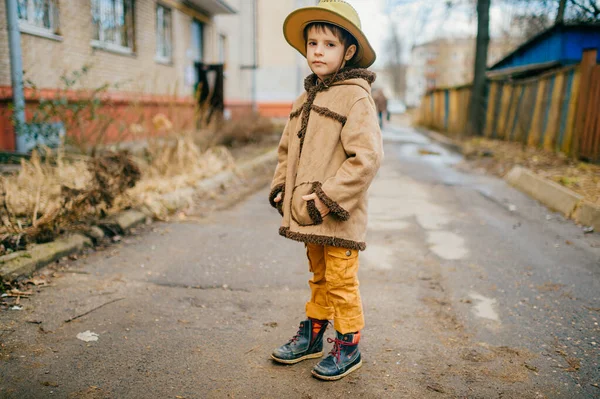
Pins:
x,y
29,29
164,61
113,48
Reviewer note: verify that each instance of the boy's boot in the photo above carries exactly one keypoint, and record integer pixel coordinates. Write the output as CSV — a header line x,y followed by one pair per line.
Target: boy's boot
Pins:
x,y
343,359
306,344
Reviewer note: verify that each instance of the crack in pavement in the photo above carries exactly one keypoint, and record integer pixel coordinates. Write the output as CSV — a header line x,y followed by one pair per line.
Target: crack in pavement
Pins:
x,y
223,287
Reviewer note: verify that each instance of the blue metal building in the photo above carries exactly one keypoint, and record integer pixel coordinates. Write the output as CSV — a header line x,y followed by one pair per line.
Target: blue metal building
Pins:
x,y
558,46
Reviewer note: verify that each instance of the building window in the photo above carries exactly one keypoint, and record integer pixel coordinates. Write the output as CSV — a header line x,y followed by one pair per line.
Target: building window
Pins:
x,y
164,38
38,17
112,22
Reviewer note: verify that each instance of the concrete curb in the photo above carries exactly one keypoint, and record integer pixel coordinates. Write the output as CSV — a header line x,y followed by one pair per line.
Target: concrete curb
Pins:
x,y
41,255
122,222
555,196
446,142
23,263
549,193
588,214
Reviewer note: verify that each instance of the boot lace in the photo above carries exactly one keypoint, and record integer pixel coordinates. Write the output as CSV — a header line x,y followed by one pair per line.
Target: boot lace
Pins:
x,y
337,347
297,336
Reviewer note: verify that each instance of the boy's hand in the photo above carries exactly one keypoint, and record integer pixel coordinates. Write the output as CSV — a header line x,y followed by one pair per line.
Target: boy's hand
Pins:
x,y
277,199
323,209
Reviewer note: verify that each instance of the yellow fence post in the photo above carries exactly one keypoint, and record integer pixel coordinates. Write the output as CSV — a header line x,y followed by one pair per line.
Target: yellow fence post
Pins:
x,y
567,146
504,108
534,130
512,111
491,110
554,116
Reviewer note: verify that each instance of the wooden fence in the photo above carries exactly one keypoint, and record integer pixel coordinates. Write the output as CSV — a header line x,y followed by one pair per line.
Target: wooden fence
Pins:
x,y
557,111
446,110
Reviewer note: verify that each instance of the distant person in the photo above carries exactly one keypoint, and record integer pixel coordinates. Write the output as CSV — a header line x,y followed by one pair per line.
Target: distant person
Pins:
x,y
381,102
329,153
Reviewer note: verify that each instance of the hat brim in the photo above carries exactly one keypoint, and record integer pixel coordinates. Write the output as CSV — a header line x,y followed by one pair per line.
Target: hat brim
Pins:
x,y
293,31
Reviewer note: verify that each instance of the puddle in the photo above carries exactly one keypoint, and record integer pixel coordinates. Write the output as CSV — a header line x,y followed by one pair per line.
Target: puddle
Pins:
x,y
378,224
484,307
404,135
432,219
447,245
378,257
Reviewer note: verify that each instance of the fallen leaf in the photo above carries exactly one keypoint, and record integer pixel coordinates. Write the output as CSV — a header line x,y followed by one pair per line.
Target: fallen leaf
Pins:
x,y
36,281
574,364
424,151
530,367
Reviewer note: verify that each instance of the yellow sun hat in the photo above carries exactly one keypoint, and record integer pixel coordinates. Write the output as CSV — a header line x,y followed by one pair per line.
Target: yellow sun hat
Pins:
x,y
335,12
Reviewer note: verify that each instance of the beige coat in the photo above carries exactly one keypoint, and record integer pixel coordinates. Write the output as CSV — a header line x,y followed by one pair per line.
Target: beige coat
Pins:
x,y
331,146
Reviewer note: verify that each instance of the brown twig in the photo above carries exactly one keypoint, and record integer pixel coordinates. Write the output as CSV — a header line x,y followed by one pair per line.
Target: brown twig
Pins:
x,y
90,311
37,205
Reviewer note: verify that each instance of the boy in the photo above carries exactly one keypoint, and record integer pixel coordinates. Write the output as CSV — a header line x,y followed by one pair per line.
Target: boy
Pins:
x,y
329,153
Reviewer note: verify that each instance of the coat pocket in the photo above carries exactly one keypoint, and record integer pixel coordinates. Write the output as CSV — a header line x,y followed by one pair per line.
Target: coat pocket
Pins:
x,y
305,213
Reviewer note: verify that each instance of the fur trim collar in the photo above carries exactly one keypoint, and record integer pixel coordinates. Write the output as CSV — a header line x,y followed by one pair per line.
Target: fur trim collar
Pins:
x,y
313,82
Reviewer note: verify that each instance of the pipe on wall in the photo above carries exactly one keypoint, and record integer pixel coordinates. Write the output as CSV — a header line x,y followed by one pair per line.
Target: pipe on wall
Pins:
x,y
16,72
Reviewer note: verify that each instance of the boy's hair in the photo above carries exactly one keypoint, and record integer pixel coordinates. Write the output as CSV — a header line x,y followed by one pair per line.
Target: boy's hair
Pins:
x,y
342,35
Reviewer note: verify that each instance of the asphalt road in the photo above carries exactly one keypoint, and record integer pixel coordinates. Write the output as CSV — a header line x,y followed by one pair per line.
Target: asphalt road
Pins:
x,y
470,288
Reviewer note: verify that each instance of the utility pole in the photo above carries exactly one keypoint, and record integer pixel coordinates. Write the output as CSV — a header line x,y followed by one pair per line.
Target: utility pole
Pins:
x,y
477,105
16,72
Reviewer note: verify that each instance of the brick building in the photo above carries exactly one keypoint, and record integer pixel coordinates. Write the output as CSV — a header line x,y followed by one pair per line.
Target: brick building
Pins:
x,y
149,48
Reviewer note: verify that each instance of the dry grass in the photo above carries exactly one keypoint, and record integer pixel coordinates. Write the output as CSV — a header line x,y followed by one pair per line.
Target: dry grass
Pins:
x,y
498,157
47,196
250,129
168,167
57,193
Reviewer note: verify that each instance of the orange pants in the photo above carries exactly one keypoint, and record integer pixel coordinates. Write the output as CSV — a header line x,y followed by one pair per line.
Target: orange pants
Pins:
x,y
334,287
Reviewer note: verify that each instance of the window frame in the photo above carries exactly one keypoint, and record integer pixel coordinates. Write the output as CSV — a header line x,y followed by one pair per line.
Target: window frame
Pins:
x,y
159,56
223,48
28,26
102,43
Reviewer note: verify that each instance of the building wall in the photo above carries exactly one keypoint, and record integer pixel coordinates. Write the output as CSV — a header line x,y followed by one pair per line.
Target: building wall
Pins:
x,y
280,72
239,54
157,87
278,80
4,56
282,69
44,60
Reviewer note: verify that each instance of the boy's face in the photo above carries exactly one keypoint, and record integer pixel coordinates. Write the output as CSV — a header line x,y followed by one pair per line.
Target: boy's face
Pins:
x,y
324,52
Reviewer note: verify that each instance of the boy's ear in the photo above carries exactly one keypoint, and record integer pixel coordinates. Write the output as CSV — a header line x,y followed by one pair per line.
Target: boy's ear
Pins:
x,y
350,52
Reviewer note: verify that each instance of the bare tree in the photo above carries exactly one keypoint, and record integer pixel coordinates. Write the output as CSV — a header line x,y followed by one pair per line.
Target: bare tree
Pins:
x,y
586,10
477,106
395,68
566,10
524,25
560,15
